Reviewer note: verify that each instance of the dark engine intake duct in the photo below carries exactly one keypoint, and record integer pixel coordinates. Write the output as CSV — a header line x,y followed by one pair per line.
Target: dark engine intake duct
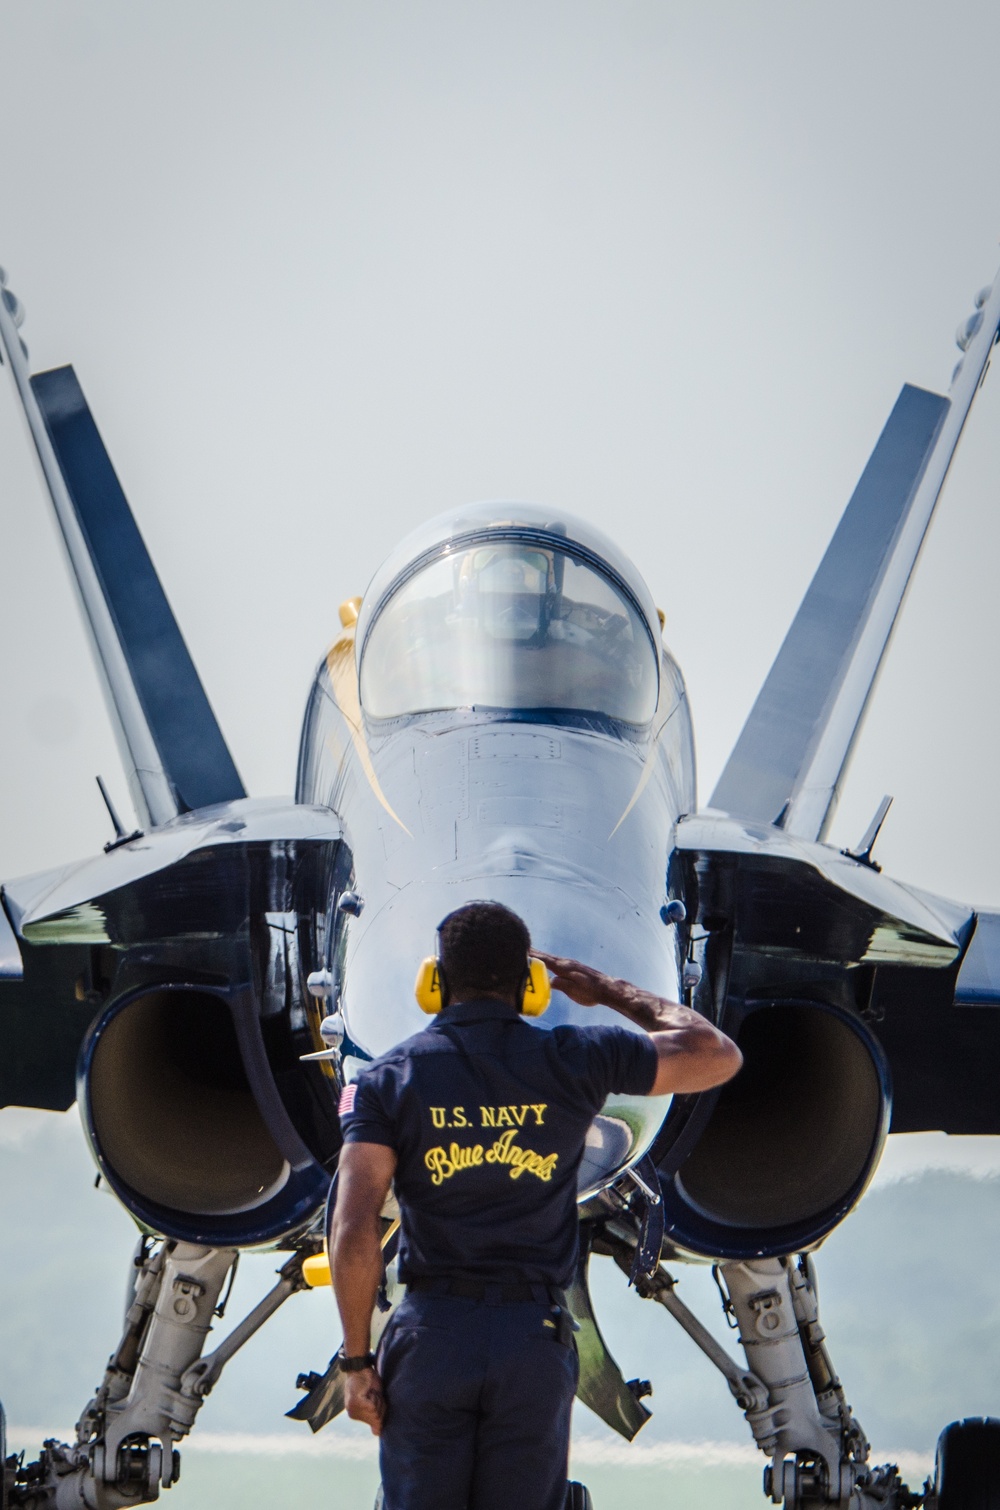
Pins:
x,y
179,1129
790,1143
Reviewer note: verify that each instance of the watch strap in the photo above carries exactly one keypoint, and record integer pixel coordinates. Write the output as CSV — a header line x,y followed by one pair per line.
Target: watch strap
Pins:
x,y
357,1364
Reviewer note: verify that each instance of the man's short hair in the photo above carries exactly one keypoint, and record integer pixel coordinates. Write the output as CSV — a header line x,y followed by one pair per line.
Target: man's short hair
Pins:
x,y
483,946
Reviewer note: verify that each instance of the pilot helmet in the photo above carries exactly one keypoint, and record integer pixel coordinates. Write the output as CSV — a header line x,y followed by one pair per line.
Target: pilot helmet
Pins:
x,y
509,589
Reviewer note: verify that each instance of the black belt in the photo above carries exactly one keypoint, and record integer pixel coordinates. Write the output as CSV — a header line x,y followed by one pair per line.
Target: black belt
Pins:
x,y
479,1289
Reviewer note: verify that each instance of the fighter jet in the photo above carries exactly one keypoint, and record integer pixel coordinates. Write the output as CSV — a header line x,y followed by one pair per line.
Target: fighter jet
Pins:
x,y
497,716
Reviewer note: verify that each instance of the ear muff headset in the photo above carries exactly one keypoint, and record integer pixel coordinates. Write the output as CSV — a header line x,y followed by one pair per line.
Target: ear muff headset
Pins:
x,y
427,986
537,990
535,997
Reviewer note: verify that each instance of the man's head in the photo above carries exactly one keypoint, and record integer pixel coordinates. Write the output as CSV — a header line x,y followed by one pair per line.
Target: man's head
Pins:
x,y
483,951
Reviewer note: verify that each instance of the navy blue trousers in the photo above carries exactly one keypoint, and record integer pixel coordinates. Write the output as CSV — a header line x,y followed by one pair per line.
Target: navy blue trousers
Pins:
x,y
478,1401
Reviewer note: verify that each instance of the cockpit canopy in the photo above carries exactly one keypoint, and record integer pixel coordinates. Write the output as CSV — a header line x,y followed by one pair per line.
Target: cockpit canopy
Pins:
x,y
509,618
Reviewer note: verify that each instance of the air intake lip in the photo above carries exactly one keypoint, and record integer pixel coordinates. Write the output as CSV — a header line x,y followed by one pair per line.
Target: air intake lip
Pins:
x,y
791,1143
184,1121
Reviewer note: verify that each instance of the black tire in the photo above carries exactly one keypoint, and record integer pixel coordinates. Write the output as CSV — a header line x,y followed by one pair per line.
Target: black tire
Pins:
x,y
967,1466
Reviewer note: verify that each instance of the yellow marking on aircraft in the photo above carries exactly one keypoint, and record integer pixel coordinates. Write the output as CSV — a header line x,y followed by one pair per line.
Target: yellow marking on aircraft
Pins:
x,y
314,1016
316,1268
344,684
647,771
649,763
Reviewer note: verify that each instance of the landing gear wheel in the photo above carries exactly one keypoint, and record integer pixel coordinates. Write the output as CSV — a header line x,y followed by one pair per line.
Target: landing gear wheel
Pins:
x,y
967,1466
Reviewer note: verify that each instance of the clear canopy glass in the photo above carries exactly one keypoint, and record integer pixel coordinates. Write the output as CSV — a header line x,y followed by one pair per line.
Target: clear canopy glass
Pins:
x,y
509,624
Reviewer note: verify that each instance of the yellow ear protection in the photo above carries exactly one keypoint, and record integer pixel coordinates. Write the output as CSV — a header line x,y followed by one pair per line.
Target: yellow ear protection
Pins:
x,y
430,999
427,987
537,990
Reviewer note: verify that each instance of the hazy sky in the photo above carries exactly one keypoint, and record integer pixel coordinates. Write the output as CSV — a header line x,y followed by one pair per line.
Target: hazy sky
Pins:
x,y
326,269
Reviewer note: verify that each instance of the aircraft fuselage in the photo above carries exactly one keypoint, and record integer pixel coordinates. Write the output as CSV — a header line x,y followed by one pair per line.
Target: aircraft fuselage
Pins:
x,y
565,815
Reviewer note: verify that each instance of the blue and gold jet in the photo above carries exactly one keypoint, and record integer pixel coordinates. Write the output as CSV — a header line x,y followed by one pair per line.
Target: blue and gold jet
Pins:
x,y
497,717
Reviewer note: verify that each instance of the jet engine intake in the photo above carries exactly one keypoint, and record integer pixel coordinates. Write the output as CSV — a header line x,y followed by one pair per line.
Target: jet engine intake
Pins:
x,y
185,1123
791,1142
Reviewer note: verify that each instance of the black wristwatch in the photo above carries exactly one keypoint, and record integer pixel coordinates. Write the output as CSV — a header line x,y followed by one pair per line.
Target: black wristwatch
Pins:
x,y
355,1365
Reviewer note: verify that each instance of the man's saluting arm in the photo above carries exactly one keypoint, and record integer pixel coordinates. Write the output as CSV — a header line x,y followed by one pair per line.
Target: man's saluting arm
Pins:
x,y
692,1055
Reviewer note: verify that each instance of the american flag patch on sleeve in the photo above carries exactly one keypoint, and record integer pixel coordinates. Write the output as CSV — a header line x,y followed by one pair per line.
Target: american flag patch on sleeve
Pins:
x,y
347,1096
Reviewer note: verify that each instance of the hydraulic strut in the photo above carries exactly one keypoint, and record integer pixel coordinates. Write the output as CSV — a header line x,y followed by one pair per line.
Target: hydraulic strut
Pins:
x,y
153,1387
790,1394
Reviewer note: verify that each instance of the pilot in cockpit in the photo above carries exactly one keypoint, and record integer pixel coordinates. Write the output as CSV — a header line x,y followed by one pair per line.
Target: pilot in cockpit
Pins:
x,y
510,591
510,625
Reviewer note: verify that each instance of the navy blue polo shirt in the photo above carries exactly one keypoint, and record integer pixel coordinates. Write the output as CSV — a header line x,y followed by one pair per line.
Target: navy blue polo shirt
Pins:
x,y
488,1118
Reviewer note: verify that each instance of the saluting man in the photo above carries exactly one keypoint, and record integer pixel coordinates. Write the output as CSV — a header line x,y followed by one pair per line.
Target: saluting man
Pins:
x,y
480,1122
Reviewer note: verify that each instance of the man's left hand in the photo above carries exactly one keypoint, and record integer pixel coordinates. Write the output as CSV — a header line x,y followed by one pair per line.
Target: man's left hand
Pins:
x,y
364,1400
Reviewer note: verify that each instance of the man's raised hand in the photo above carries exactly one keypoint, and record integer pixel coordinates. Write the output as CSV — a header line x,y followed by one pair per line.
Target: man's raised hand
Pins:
x,y
582,984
